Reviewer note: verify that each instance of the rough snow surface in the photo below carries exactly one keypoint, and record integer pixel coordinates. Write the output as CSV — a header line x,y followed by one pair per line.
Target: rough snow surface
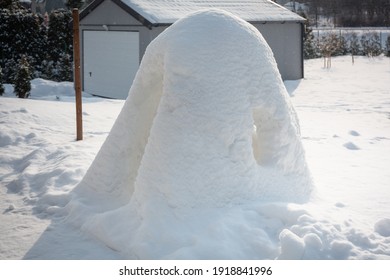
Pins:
x,y
348,218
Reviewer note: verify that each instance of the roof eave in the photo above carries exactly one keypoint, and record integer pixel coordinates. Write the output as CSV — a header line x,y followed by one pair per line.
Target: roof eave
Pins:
x,y
94,4
134,13
250,21
88,9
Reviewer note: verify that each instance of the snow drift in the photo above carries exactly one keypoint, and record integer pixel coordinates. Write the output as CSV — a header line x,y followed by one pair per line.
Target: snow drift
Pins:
x,y
207,125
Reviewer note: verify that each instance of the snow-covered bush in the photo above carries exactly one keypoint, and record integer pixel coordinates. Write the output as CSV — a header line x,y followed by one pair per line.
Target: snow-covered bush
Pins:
x,y
20,36
342,46
371,44
22,81
23,33
59,35
65,67
331,45
61,70
353,44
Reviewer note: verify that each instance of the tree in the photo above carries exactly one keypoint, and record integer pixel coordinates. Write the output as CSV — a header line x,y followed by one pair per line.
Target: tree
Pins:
x,y
353,46
1,82
341,46
352,13
310,49
9,70
22,84
329,45
388,46
314,9
74,4
25,34
20,34
59,36
10,4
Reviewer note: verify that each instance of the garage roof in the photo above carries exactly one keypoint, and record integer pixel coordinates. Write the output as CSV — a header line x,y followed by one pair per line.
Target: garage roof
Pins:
x,y
162,12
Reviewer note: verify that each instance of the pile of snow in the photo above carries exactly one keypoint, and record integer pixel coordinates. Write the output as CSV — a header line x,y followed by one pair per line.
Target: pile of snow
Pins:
x,y
47,90
208,125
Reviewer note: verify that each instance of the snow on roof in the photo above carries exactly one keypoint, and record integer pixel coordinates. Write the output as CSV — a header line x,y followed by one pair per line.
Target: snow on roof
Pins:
x,y
168,11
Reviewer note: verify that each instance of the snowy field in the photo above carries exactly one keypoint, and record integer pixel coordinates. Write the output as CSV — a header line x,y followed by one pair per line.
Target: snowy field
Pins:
x,y
344,114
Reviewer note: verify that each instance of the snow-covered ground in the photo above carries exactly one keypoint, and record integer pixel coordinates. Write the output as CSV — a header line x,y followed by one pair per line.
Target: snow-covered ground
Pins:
x,y
344,114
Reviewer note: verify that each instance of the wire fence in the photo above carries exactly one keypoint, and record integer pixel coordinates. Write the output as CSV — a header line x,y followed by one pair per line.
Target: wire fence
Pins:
x,y
347,32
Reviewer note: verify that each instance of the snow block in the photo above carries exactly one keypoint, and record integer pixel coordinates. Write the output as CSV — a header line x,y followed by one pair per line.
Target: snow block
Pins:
x,y
208,123
292,246
383,227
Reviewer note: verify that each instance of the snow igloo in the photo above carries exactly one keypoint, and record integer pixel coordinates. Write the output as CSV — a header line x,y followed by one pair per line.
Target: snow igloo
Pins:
x,y
208,124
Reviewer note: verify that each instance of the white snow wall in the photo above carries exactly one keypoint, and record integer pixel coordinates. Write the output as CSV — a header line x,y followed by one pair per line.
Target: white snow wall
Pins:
x,y
208,122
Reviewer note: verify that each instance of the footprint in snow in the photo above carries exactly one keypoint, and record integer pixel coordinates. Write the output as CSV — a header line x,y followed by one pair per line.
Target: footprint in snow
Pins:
x,y
339,205
354,133
351,146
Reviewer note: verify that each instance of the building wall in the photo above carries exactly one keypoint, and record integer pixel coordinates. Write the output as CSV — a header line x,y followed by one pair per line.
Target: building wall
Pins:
x,y
285,40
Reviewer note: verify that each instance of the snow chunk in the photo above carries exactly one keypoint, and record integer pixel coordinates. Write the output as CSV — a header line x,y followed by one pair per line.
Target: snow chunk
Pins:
x,y
383,227
313,241
5,139
340,249
292,246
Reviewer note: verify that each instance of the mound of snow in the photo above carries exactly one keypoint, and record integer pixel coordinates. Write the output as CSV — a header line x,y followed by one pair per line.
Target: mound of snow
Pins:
x,y
207,125
42,89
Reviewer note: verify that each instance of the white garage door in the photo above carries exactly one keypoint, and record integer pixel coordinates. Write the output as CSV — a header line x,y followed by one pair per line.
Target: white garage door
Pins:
x,y
110,62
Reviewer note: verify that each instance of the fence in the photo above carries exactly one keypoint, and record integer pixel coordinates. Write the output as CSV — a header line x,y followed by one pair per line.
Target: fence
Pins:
x,y
383,32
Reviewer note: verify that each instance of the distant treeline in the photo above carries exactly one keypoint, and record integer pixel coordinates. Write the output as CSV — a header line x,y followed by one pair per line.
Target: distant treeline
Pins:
x,y
349,13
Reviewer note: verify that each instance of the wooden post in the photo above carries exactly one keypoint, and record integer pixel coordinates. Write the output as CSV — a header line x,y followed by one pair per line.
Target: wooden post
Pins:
x,y
77,78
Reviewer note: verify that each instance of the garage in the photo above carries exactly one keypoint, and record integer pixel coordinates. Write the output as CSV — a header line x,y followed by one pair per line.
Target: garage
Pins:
x,y
111,62
117,32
